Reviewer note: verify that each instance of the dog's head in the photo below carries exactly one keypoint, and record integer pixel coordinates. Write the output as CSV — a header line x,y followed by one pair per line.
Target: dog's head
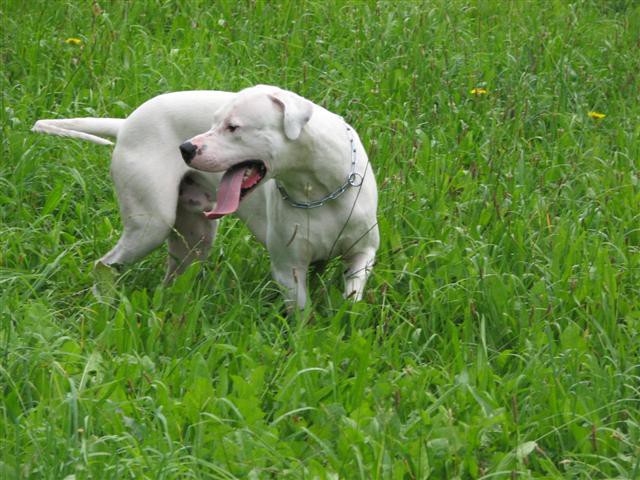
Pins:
x,y
253,137
259,123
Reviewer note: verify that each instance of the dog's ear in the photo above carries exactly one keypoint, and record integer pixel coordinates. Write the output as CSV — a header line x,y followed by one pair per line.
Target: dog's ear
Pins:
x,y
297,112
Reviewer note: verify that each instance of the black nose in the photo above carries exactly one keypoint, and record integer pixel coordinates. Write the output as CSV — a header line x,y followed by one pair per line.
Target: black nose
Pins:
x,y
188,151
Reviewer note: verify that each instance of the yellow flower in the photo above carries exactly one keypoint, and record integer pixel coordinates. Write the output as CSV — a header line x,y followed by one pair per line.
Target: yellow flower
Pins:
x,y
596,115
73,41
479,91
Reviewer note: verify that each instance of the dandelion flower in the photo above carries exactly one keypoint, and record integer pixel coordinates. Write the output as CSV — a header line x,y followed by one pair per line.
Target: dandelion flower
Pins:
x,y
479,91
73,41
596,115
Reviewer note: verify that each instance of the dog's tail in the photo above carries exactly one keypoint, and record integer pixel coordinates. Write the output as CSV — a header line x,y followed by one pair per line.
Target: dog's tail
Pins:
x,y
91,129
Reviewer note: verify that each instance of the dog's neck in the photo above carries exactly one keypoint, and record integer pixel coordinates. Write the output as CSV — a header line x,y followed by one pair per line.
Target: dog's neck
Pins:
x,y
320,162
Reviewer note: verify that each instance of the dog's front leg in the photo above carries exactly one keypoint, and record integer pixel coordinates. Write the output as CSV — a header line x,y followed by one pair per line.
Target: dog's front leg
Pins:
x,y
359,267
293,279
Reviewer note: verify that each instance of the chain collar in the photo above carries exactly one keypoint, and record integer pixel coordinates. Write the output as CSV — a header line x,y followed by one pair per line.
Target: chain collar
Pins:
x,y
354,179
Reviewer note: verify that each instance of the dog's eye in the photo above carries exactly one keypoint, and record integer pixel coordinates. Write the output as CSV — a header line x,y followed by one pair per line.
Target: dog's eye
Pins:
x,y
232,128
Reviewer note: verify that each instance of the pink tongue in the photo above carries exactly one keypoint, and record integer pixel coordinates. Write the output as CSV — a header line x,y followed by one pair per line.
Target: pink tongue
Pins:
x,y
228,197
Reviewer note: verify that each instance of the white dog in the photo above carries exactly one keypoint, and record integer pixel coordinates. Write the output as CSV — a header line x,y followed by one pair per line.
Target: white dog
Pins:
x,y
313,193
156,191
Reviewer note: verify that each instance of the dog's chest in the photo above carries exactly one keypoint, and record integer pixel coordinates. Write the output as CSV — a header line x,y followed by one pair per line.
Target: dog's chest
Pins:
x,y
313,234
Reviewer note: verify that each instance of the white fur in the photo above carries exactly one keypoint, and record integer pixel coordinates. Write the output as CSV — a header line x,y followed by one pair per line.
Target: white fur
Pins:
x,y
307,149
148,173
84,128
303,145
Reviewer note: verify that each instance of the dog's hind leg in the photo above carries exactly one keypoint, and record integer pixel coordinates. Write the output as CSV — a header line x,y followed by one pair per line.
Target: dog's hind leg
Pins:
x,y
193,233
359,267
147,203
190,240
140,236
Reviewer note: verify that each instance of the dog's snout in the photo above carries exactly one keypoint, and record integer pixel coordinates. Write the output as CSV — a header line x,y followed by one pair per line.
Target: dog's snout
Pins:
x,y
188,151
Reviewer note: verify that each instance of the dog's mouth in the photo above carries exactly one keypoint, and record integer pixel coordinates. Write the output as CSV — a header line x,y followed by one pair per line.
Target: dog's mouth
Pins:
x,y
236,183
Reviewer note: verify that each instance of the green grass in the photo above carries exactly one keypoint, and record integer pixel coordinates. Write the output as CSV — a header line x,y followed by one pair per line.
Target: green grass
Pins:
x,y
500,334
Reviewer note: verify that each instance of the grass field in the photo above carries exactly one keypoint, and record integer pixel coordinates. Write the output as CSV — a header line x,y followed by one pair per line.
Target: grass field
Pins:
x,y
500,332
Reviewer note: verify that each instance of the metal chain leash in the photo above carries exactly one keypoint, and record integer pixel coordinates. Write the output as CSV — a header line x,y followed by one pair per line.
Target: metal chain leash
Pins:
x,y
354,179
